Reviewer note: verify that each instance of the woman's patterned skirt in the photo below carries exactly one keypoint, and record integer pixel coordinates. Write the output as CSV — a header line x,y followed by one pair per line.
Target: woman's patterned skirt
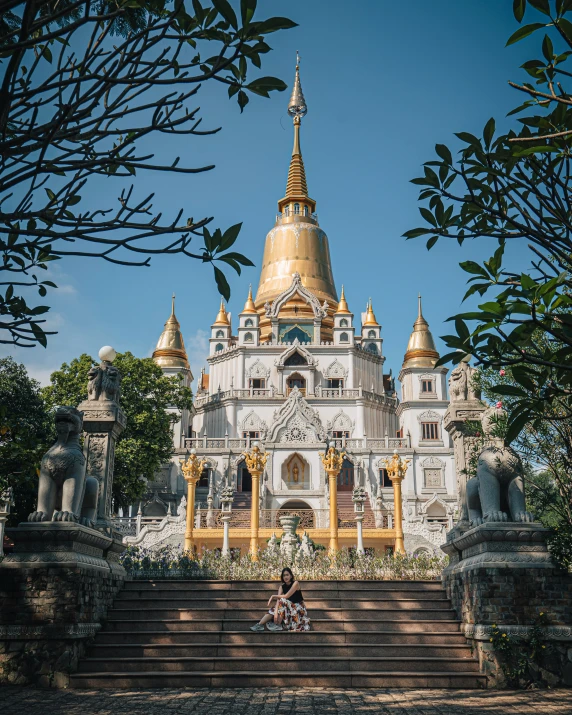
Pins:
x,y
294,615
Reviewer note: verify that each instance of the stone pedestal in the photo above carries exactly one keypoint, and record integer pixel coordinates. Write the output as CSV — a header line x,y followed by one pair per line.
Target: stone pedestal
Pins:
x,y
55,589
502,574
103,422
454,421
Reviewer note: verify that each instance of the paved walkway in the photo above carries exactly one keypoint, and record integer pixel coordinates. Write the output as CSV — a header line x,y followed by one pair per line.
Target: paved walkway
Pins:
x,y
272,701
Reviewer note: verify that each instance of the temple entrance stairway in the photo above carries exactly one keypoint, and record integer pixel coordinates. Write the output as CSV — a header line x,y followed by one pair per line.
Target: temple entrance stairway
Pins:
x,y
382,634
346,510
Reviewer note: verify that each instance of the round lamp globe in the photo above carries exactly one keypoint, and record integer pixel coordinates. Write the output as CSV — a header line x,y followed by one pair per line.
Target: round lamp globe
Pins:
x,y
107,353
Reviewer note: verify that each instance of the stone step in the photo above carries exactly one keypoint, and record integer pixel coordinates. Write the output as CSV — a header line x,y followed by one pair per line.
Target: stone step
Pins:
x,y
248,679
310,595
299,664
329,614
250,602
287,647
450,624
241,637
170,585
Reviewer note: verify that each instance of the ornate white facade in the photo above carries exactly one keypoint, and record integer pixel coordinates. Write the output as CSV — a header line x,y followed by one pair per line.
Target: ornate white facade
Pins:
x,y
295,370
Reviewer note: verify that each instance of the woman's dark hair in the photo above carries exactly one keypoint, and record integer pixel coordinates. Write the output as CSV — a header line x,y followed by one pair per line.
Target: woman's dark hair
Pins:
x,y
290,572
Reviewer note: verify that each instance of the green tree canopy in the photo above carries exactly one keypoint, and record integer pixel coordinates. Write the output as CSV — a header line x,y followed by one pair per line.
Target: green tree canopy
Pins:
x,y
516,187
146,395
26,431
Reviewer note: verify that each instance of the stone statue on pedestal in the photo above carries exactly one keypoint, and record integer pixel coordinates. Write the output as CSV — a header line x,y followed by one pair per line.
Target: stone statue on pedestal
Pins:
x,y
64,491
497,492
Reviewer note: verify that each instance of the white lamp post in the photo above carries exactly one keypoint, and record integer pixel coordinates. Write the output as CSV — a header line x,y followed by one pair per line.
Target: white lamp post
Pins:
x,y
226,499
358,498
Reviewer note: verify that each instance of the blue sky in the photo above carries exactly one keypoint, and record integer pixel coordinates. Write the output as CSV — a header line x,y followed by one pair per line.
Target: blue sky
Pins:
x,y
384,81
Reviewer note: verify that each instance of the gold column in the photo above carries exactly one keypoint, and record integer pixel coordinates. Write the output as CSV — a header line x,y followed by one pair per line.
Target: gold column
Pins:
x,y
396,469
192,470
333,461
255,463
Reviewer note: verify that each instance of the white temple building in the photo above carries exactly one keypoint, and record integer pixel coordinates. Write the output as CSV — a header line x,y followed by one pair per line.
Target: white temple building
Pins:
x,y
296,368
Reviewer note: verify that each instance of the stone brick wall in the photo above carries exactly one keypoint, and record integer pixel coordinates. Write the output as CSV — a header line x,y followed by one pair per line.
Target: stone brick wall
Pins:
x,y
47,617
513,598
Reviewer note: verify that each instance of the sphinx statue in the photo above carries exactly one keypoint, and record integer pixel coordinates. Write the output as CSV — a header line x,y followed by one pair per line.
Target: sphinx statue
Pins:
x,y
497,492
64,491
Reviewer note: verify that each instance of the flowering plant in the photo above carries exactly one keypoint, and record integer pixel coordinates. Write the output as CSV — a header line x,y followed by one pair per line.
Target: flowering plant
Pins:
x,y
345,565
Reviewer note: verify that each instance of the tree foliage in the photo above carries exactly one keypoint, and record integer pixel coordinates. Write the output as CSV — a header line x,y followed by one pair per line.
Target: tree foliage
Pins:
x,y
26,431
146,395
87,86
516,187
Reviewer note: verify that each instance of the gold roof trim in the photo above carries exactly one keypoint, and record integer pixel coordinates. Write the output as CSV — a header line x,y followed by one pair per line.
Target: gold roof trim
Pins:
x,y
222,316
370,319
170,350
421,350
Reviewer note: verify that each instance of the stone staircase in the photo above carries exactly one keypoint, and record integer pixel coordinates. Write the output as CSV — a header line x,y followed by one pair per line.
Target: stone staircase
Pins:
x,y
346,510
170,634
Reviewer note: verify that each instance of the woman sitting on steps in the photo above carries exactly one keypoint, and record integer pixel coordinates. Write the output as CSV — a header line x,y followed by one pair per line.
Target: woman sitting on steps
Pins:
x,y
290,607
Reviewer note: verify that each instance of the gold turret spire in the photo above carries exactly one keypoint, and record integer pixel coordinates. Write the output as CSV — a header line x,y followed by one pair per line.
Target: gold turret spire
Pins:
x,y
170,350
421,350
222,316
249,306
296,244
296,185
343,305
370,319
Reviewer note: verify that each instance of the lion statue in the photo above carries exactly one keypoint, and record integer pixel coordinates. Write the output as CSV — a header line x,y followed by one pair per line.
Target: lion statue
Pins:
x,y
64,492
497,492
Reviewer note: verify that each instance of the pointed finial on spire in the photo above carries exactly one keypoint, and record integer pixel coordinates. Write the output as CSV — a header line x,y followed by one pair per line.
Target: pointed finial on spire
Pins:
x,y
421,350
222,317
370,319
249,306
343,305
297,107
173,305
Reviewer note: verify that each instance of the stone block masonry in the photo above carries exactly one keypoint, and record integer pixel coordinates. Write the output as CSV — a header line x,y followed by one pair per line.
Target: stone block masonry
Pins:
x,y
55,590
502,575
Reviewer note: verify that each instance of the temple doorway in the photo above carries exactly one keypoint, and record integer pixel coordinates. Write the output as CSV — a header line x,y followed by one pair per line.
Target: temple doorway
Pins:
x,y
346,477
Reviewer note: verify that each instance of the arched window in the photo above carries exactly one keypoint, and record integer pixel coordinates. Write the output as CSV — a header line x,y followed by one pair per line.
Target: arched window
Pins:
x,y
287,211
372,347
248,338
296,380
219,334
344,338
296,208
371,334
343,323
305,210
219,347
248,323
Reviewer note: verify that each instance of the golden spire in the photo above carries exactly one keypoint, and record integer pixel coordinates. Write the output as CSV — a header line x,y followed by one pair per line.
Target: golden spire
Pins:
x,y
342,305
370,319
222,317
296,185
170,350
421,350
249,306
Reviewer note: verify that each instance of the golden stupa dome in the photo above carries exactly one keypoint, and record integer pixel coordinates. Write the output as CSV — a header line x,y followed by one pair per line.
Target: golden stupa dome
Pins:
x,y
421,350
249,306
222,316
370,319
170,350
